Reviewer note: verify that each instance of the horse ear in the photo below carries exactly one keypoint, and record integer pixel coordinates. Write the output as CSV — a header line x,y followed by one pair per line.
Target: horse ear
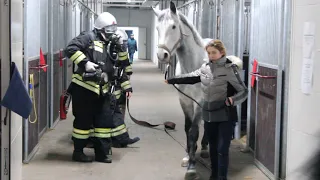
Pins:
x,y
156,11
173,7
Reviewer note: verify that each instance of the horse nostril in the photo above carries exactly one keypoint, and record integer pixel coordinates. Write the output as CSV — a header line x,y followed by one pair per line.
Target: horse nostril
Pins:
x,y
166,55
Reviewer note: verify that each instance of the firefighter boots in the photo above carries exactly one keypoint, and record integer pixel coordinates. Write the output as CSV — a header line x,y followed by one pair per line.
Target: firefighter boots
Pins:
x,y
81,157
78,154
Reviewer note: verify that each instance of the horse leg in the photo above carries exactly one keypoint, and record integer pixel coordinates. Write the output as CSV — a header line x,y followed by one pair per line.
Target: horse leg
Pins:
x,y
193,138
187,126
204,146
188,111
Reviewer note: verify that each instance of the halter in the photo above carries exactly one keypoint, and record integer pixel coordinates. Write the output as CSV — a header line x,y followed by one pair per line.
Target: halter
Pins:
x,y
163,46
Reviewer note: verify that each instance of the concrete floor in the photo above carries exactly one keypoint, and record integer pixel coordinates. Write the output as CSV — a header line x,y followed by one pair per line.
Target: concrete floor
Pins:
x,y
156,157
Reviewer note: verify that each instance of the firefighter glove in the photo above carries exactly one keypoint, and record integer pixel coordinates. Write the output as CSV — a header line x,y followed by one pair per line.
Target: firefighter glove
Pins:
x,y
91,67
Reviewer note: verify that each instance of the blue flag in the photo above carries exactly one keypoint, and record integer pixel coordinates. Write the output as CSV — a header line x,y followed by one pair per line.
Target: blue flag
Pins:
x,y
17,98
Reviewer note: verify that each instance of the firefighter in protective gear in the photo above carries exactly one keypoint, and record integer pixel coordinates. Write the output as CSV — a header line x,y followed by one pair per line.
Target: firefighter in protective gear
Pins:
x,y
125,64
91,89
124,60
120,135
122,139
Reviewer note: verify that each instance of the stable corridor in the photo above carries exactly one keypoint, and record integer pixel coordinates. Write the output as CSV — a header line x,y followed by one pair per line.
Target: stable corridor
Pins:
x,y
156,157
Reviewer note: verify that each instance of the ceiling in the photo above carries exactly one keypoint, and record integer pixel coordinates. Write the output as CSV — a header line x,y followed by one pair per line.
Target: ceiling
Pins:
x,y
132,3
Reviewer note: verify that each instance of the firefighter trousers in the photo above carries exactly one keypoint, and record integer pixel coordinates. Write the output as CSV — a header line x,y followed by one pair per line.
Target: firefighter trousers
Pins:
x,y
89,110
119,133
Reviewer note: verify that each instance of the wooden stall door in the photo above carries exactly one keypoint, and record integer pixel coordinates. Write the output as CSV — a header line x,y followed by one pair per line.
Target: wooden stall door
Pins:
x,y
266,119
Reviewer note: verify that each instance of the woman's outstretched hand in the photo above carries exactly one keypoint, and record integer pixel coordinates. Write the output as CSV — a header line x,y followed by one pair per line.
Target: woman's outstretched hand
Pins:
x,y
166,81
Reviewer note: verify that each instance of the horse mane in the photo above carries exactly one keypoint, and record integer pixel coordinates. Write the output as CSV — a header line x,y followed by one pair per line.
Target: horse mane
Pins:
x,y
195,33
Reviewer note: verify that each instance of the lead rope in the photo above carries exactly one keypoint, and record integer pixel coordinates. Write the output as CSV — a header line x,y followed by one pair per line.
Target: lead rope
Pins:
x,y
166,77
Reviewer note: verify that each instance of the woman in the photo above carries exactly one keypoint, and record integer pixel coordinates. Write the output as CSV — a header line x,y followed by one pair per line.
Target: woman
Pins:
x,y
218,77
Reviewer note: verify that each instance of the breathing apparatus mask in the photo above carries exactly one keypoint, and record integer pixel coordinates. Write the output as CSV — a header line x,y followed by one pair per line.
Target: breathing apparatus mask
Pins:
x,y
108,32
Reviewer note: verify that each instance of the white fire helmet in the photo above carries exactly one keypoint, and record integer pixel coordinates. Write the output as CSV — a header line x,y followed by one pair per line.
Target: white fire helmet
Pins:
x,y
106,22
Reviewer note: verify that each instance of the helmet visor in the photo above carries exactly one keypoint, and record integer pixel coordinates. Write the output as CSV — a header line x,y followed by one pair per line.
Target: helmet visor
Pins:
x,y
111,29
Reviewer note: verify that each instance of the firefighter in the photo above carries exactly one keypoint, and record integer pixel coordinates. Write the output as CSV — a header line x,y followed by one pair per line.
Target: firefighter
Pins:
x,y
126,65
91,89
120,137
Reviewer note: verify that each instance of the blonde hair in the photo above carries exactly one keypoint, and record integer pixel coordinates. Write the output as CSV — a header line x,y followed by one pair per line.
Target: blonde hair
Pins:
x,y
218,44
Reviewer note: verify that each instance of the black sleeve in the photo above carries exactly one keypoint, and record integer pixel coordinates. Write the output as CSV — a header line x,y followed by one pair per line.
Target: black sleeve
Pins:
x,y
76,49
184,80
189,78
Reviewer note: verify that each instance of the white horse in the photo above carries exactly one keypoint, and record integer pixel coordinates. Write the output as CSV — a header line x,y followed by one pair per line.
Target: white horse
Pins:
x,y
177,36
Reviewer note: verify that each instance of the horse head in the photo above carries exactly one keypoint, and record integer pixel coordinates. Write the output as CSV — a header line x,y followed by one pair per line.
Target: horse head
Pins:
x,y
169,32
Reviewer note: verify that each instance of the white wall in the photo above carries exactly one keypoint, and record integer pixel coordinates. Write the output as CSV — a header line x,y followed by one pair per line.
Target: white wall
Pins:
x,y
135,18
303,110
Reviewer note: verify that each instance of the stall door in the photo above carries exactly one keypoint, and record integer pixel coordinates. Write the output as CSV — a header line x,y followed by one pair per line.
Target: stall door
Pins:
x,y
266,135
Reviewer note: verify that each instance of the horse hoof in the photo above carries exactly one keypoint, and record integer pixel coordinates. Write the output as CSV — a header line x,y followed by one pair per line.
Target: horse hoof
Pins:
x,y
204,153
185,162
191,174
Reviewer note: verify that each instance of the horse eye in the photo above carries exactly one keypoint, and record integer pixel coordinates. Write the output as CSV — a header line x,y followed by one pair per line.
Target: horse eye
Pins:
x,y
173,27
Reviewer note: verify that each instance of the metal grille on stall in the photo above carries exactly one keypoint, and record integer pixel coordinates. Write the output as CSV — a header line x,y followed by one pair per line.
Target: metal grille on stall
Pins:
x,y
229,26
208,19
270,34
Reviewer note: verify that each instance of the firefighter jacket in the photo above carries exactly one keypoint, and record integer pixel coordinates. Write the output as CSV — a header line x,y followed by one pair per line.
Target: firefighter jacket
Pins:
x,y
89,46
124,64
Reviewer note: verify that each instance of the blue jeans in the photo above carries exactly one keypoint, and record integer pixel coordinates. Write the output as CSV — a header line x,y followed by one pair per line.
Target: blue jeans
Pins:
x,y
131,57
219,136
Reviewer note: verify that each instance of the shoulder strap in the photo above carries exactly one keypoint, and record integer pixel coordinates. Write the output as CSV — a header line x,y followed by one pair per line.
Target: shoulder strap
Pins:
x,y
234,68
